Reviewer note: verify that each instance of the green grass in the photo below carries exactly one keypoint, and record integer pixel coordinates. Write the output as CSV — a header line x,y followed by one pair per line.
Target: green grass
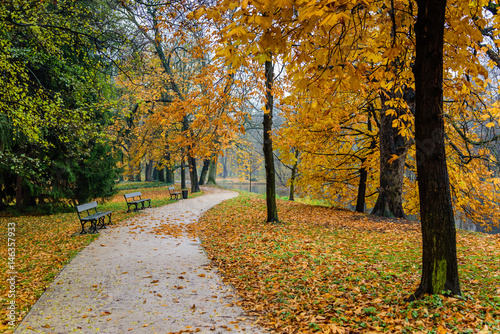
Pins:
x,y
127,185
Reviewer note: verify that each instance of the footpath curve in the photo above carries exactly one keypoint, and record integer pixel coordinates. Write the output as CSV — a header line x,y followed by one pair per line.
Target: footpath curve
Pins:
x,y
133,279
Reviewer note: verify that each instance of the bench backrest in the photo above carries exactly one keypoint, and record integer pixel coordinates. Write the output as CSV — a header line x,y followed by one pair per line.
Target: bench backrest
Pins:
x,y
86,206
171,188
132,195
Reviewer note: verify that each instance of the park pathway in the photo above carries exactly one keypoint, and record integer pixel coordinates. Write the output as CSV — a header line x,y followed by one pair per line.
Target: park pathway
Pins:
x,y
138,278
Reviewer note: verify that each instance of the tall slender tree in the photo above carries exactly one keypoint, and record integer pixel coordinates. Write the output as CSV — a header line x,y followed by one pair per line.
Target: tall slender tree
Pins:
x,y
439,258
272,209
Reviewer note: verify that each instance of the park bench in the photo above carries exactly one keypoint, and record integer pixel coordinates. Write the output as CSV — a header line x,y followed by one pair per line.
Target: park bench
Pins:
x,y
173,193
88,213
135,199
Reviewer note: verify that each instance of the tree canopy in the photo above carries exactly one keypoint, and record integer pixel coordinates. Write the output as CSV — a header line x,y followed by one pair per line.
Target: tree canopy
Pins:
x,y
351,102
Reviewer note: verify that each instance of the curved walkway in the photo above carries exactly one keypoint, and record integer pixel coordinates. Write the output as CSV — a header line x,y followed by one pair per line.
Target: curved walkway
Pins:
x,y
138,278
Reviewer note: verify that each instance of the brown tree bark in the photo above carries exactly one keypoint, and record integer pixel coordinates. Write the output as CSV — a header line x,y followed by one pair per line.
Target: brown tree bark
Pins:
x,y
204,171
295,166
149,170
183,175
193,175
439,258
161,174
363,172
225,170
363,176
390,197
272,210
138,176
169,175
212,171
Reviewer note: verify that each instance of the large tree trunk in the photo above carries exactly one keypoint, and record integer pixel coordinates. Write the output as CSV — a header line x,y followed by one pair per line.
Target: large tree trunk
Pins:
x,y
169,175
204,171
138,177
161,175
390,197
439,258
155,173
272,210
212,171
149,170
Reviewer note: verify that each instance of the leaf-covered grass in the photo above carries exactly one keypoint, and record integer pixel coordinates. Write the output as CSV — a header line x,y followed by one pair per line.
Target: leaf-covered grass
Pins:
x,y
337,271
44,244
126,185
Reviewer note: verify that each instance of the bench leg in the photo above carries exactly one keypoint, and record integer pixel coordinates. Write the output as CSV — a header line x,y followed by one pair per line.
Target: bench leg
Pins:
x,y
128,207
93,226
102,223
83,227
109,219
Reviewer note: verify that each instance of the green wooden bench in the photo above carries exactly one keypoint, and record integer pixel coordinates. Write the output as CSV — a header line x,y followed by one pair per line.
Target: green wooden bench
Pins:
x,y
135,199
174,193
87,213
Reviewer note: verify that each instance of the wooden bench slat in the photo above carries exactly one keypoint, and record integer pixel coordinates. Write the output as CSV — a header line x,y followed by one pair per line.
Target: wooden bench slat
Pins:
x,y
86,206
131,195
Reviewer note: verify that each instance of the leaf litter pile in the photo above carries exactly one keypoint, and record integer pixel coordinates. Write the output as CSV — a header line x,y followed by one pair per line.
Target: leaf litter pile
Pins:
x,y
336,271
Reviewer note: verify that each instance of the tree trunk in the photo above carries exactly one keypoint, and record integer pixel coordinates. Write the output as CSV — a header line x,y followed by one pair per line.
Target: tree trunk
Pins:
x,y
204,171
363,172
138,175
272,210
169,175
149,170
155,174
130,176
193,175
225,170
183,175
28,199
291,196
19,192
161,175
390,198
363,176
212,171
439,258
